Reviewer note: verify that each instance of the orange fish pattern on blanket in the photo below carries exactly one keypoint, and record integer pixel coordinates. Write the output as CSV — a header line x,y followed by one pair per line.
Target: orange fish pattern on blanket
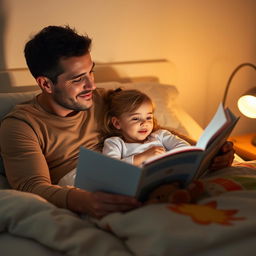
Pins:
x,y
206,214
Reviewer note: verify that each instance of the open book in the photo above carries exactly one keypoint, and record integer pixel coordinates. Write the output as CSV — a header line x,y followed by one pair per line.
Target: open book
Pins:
x,y
97,172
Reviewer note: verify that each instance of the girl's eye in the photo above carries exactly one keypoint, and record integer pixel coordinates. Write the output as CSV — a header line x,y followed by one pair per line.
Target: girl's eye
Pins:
x,y
135,118
149,118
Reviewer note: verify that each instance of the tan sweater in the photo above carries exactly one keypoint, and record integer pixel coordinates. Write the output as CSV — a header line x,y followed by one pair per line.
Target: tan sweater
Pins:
x,y
39,148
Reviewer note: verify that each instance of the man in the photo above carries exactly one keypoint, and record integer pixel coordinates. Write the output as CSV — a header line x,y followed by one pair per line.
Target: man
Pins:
x,y
40,140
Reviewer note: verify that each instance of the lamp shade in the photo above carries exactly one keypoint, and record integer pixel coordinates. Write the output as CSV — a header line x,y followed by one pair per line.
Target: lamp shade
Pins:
x,y
247,103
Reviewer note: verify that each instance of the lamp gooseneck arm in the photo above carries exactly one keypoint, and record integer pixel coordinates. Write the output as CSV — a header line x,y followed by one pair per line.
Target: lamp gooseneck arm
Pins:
x,y
231,78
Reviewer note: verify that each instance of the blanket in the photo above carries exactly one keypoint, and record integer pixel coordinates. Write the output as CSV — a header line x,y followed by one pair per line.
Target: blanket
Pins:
x,y
221,224
29,216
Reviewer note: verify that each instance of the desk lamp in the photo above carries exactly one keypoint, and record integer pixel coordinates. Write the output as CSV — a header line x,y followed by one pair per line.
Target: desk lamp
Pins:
x,y
247,102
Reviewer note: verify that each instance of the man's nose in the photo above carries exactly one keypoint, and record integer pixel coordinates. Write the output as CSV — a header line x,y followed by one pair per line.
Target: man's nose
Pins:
x,y
89,84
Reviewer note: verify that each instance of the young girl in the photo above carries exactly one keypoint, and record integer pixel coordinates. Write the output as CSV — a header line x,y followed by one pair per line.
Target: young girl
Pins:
x,y
131,132
132,135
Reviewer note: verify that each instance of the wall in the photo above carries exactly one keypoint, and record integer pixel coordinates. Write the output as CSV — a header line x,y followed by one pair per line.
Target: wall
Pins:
x,y
204,40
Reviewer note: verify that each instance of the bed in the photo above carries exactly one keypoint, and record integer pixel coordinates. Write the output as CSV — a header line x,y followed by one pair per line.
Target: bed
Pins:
x,y
221,224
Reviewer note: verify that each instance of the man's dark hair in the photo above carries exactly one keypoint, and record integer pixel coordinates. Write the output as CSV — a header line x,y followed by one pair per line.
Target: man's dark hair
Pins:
x,y
53,43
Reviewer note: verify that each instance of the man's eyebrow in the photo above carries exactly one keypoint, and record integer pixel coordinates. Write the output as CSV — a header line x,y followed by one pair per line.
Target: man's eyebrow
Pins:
x,y
76,76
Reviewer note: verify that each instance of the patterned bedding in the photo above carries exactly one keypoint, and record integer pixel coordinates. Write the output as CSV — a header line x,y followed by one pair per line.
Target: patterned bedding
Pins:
x,y
222,223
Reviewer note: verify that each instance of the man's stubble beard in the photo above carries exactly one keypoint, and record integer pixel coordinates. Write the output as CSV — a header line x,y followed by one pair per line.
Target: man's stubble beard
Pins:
x,y
67,102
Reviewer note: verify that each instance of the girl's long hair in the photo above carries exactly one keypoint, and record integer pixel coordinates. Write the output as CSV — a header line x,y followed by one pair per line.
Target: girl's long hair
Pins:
x,y
118,102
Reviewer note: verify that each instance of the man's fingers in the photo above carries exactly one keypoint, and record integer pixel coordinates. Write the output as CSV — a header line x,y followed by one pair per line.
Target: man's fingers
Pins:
x,y
115,199
221,162
228,145
108,204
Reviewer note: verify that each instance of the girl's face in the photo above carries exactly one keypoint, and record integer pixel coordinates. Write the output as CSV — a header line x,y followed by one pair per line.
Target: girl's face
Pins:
x,y
136,126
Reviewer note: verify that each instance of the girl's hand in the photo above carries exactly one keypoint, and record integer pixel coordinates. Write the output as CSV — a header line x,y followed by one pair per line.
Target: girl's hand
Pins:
x,y
153,151
99,204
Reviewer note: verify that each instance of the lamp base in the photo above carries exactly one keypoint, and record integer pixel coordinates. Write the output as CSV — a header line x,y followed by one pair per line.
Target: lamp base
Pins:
x,y
254,141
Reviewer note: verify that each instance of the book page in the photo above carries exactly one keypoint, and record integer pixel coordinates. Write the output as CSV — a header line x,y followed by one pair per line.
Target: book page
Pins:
x,y
216,124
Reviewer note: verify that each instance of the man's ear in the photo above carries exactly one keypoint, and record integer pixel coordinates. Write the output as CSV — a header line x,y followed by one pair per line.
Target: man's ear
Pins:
x,y
45,84
115,122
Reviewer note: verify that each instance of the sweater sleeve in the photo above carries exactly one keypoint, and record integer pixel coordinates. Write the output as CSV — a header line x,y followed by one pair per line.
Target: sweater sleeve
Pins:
x,y
25,165
113,147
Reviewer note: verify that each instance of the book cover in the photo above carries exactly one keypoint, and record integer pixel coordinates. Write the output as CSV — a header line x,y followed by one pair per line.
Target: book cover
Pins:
x,y
97,172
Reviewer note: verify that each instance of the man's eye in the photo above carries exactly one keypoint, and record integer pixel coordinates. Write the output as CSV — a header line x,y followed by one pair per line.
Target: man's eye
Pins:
x,y
149,118
77,80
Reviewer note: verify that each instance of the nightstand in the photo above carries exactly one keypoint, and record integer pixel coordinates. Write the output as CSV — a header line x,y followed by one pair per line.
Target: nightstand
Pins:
x,y
244,147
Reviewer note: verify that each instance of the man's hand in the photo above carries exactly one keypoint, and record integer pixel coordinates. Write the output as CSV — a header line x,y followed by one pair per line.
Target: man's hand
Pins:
x,y
99,204
224,158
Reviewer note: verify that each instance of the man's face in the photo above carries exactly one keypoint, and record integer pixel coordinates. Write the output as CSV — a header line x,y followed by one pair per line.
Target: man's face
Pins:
x,y
74,87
